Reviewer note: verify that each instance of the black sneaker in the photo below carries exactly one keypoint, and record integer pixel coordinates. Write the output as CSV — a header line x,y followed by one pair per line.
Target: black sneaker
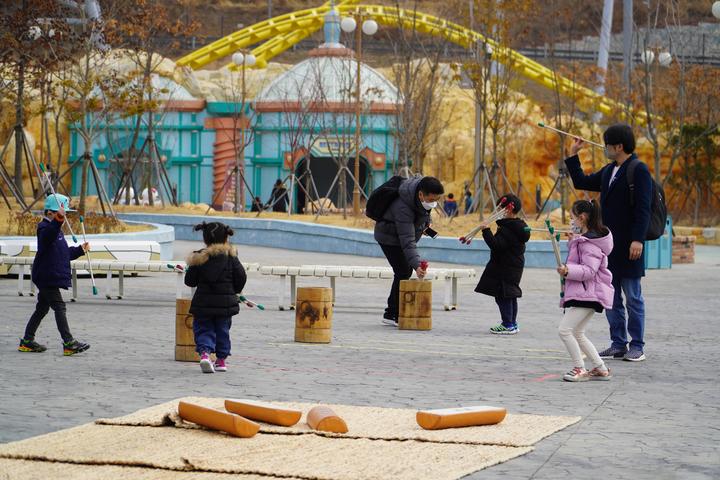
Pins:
x,y
613,352
390,319
30,346
634,355
72,347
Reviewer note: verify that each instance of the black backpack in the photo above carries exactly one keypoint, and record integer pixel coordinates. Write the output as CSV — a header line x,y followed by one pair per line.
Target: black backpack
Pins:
x,y
658,209
380,199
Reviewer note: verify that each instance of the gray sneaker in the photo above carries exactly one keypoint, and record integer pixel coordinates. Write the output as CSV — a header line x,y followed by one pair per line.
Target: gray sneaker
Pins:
x,y
613,352
634,356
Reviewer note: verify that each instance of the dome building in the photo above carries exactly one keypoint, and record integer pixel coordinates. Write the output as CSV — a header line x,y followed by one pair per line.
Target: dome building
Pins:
x,y
299,128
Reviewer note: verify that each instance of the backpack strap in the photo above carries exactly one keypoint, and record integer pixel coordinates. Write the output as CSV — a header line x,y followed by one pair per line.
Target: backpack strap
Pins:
x,y
630,175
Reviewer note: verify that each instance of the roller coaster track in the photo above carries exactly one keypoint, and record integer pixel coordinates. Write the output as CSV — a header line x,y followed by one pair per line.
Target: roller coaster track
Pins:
x,y
284,31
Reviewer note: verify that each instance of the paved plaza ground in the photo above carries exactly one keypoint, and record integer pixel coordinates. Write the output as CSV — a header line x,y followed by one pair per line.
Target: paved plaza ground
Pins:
x,y
658,419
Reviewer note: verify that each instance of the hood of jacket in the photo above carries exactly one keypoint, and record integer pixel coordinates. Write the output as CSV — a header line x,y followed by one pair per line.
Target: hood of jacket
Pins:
x,y
212,259
604,243
408,193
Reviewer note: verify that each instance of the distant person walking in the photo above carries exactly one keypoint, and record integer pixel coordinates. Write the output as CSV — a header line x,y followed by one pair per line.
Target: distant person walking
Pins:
x,y
628,221
450,206
279,197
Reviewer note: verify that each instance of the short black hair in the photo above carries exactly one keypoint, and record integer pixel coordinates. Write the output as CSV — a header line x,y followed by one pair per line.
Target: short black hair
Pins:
x,y
451,196
431,185
620,134
510,198
214,232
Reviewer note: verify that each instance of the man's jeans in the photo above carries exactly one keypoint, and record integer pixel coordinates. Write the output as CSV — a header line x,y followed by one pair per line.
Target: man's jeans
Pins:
x,y
635,323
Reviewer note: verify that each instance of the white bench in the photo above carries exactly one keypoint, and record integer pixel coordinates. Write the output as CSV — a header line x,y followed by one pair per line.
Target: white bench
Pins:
x,y
107,267
333,272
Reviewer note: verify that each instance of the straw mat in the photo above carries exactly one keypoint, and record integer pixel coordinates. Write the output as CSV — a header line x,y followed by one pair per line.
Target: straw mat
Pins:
x,y
516,430
39,470
309,457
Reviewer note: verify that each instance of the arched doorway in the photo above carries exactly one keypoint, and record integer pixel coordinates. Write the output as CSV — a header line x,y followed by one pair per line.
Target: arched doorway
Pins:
x,y
324,170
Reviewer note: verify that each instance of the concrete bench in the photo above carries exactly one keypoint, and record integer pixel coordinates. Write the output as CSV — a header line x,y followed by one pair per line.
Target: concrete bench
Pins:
x,y
108,268
333,272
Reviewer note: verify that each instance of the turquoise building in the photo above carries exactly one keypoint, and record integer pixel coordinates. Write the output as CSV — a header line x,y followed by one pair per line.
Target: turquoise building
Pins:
x,y
302,120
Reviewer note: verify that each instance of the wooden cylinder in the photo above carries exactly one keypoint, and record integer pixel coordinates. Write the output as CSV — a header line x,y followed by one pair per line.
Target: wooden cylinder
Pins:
x,y
415,305
326,420
217,420
184,336
313,315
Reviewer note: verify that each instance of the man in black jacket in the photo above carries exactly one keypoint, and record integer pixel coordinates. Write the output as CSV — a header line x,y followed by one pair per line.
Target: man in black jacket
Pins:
x,y
628,222
399,230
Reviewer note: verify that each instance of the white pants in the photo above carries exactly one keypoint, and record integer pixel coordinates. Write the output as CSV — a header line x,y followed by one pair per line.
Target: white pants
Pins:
x,y
572,333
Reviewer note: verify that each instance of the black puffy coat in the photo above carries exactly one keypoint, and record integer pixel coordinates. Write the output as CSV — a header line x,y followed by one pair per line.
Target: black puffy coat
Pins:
x,y
503,272
404,222
218,276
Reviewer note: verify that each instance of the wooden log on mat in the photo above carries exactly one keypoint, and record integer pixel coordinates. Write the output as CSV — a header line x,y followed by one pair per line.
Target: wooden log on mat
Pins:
x,y
217,420
313,315
264,412
415,305
326,420
459,417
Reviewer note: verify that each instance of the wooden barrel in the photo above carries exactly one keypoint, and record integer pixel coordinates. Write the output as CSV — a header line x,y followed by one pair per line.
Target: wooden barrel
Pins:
x,y
313,315
184,337
415,305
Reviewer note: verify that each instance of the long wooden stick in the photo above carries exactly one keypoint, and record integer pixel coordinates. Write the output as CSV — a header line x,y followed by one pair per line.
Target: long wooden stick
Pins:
x,y
87,255
594,144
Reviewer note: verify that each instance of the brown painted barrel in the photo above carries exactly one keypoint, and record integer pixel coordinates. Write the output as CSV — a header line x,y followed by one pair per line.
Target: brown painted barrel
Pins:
x,y
415,305
313,315
184,337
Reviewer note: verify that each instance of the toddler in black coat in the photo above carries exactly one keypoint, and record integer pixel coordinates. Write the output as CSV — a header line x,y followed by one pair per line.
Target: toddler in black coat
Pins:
x,y
501,278
218,276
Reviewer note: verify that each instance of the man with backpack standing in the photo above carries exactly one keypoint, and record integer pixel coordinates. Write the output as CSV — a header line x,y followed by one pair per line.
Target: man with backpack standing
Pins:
x,y
401,209
631,205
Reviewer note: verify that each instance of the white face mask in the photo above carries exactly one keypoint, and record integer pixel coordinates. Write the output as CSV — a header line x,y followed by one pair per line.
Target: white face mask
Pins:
x,y
609,154
429,205
575,227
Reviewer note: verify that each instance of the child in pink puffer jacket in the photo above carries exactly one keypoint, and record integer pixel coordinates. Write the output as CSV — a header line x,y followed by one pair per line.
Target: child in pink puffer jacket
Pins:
x,y
588,288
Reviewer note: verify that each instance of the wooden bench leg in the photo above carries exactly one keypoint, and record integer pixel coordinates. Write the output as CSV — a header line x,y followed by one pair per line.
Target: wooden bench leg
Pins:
x,y
121,284
74,285
293,291
454,293
281,292
447,294
32,287
21,279
108,284
179,284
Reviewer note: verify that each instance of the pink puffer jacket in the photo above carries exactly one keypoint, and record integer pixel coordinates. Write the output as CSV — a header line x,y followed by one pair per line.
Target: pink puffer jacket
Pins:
x,y
588,277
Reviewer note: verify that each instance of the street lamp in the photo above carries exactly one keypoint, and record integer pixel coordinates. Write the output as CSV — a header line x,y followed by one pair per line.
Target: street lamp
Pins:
x,y
242,61
369,27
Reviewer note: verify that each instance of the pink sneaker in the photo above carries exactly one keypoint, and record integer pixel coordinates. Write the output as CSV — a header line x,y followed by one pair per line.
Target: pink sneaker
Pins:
x,y
598,374
220,365
205,364
577,374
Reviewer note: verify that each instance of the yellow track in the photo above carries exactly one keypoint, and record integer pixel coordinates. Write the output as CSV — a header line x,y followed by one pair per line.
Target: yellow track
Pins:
x,y
284,31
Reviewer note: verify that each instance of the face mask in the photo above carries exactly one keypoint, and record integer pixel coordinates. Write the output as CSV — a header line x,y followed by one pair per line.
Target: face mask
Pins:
x,y
577,229
429,205
610,155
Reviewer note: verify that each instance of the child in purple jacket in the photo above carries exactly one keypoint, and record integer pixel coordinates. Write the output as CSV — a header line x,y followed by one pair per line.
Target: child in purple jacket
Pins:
x,y
588,288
